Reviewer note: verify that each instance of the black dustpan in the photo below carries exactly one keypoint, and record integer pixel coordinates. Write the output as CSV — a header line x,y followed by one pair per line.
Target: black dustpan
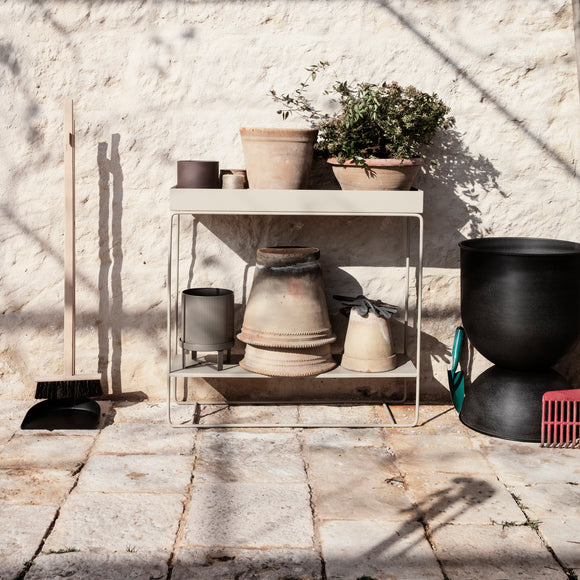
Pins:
x,y
63,414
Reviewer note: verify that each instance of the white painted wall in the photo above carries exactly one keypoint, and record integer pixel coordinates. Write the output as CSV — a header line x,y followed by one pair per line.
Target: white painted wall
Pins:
x,y
162,80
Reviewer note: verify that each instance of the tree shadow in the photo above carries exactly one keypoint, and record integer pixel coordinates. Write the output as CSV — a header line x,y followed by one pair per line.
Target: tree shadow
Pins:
x,y
454,191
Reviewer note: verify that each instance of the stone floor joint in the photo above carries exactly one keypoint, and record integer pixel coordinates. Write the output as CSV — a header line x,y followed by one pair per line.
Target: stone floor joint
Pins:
x,y
183,518
315,527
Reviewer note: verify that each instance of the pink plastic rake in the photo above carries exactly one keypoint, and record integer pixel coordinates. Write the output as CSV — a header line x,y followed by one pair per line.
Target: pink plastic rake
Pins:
x,y
561,419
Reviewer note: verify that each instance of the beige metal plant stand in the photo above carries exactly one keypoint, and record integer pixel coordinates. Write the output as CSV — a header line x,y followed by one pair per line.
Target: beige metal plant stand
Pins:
x,y
194,202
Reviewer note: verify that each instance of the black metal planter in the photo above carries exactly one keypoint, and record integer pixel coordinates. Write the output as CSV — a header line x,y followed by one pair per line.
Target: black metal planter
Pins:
x,y
207,322
520,306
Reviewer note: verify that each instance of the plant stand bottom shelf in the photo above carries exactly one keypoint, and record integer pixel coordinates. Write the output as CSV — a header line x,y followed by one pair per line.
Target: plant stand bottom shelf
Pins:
x,y
205,414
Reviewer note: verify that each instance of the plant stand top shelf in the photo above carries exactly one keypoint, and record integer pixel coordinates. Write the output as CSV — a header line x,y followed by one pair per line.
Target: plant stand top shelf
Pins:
x,y
295,202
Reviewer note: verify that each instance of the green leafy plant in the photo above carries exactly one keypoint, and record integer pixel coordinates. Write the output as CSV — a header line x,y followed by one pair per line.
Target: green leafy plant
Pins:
x,y
373,120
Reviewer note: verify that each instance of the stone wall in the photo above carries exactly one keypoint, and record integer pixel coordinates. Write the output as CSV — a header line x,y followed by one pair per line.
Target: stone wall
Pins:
x,y
155,81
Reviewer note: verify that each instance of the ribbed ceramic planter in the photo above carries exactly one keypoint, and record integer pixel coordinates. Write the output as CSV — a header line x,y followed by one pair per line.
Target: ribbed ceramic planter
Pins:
x,y
278,158
368,346
381,174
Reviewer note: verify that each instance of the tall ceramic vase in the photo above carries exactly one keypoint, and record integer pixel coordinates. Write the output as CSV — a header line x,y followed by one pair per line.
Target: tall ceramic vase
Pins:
x,y
520,306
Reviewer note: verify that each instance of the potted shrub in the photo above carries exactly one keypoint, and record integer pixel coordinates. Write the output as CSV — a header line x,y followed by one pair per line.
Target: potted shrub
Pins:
x,y
376,139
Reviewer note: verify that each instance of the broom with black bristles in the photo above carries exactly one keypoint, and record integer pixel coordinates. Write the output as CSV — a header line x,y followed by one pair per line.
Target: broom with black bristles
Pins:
x,y
68,405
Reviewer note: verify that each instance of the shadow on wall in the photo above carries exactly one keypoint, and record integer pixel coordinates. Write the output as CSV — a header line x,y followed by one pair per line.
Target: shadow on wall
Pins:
x,y
460,71
111,263
454,191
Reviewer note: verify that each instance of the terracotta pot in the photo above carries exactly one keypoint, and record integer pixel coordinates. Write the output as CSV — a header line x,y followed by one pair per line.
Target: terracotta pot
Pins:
x,y
287,304
278,158
381,174
368,346
288,362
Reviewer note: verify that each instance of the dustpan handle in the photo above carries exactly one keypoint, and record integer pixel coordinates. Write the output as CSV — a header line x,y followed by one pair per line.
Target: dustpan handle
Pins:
x,y
69,239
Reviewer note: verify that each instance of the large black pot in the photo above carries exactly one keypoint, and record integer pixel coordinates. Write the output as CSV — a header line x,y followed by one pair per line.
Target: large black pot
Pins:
x,y
508,404
520,299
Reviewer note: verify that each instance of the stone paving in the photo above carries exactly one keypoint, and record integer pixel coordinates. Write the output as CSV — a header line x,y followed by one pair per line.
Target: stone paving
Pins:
x,y
139,499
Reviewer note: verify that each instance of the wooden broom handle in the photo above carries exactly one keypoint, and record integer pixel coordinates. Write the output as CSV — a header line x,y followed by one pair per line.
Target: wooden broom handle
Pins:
x,y
69,239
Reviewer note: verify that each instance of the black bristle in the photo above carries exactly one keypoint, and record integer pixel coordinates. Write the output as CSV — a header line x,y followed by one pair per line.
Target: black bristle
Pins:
x,y
71,389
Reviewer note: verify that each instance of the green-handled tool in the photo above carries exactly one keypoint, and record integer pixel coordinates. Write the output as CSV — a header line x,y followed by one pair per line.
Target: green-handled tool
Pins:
x,y
456,378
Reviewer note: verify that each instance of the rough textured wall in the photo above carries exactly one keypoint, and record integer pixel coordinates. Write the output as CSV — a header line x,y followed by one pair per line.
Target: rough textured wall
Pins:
x,y
162,80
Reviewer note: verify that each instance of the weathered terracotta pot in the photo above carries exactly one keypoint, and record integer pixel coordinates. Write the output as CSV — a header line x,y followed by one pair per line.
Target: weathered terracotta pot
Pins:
x,y
278,158
368,346
286,325
287,304
381,174
288,362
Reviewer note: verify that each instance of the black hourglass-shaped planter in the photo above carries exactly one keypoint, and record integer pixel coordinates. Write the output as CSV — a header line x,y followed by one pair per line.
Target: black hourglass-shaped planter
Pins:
x,y
520,307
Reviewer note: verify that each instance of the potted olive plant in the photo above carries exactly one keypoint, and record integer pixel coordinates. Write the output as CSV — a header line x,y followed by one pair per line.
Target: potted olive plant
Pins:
x,y
376,139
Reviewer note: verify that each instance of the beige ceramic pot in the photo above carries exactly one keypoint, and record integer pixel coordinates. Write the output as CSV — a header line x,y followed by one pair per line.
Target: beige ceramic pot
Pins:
x,y
368,346
381,174
278,158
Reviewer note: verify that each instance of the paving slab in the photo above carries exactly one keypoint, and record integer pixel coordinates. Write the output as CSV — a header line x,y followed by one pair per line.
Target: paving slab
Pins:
x,y
13,411
45,450
379,550
252,414
443,498
359,483
494,553
229,456
341,437
225,564
250,515
35,486
447,453
433,420
562,534
6,433
147,412
22,528
136,474
93,521
343,414
518,463
550,500
150,438
100,566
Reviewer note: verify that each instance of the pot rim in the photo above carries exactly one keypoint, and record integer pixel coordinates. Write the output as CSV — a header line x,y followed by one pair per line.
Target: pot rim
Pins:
x,y
372,162
277,131
520,246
